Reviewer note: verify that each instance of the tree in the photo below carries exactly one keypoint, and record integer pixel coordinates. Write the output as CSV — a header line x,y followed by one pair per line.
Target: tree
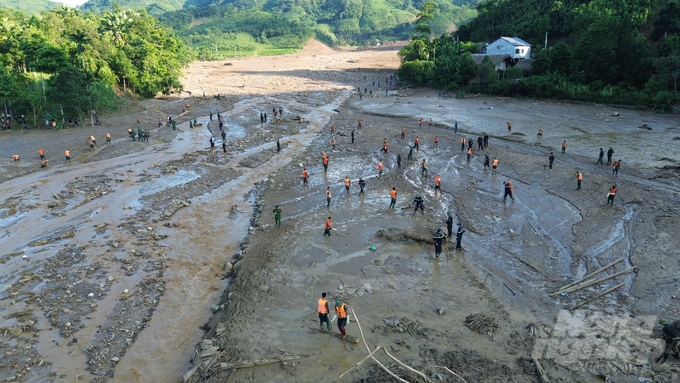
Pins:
x,y
486,72
425,16
466,68
68,92
50,59
669,70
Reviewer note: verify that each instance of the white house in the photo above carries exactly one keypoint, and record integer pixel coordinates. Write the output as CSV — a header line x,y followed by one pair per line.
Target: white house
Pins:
x,y
515,47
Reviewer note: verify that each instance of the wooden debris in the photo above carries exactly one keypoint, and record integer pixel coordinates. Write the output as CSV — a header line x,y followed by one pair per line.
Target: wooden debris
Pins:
x,y
585,277
598,296
590,283
539,369
259,362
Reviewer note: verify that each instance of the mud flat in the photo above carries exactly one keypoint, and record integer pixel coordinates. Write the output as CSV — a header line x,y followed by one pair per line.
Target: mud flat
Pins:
x,y
158,261
486,312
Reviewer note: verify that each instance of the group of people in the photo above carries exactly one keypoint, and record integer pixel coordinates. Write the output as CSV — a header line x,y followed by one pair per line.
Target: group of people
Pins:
x,y
142,135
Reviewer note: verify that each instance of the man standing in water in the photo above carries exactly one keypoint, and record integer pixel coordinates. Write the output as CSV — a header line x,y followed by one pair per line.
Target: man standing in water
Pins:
x,y
599,160
459,236
449,223
341,309
508,190
323,313
393,196
277,215
610,153
438,239
327,232
551,159
328,197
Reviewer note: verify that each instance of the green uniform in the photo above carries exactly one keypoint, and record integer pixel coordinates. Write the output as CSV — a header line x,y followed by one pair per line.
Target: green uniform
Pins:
x,y
277,217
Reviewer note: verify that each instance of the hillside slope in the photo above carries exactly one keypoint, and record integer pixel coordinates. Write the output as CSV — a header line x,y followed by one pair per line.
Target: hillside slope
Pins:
x,y
154,7
29,6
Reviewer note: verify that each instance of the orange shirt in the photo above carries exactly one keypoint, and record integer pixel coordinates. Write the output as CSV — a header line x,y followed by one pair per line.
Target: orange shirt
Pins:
x,y
346,181
108,135
417,141
325,160
380,165
304,173
462,140
470,151
436,139
495,162
564,144
68,153
41,152
393,194
436,180
328,224
579,176
328,194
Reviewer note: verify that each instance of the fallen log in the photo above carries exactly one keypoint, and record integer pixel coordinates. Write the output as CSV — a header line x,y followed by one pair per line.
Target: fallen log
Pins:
x,y
418,237
539,369
598,296
590,283
258,362
585,277
359,363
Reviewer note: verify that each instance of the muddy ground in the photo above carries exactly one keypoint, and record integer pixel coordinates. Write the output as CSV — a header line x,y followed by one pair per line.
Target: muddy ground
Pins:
x,y
158,261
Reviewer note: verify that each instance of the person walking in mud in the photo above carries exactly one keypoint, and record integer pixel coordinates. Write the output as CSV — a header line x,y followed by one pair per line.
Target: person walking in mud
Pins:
x,y
278,146
486,140
68,156
551,160
322,308
486,162
579,178
617,166
564,146
610,153
480,143
600,158
359,124
415,144
438,239
334,143
436,142
470,143
224,136
459,236
328,226
509,127
462,144
332,129
403,133
347,184
380,169
423,169
437,186
399,160
341,309
540,133
261,118
418,201
329,197
42,154
325,164
212,143
611,196
420,123
108,138
277,215
305,176
410,154
469,154
362,184
508,191
224,147
386,146
455,127
352,135
494,167
393,198
449,223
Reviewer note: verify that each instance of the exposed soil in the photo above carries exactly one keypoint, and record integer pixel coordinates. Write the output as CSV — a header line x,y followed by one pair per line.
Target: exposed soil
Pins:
x,y
159,260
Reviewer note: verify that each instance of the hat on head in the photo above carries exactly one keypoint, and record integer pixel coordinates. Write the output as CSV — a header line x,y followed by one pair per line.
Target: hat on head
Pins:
x,y
276,206
460,224
663,321
338,303
448,212
439,229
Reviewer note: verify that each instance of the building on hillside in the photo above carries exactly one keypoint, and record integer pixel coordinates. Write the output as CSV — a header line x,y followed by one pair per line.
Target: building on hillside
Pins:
x,y
505,53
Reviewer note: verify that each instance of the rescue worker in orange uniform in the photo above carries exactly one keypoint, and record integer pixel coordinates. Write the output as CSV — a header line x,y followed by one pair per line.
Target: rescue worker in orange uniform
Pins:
x,y
359,123
415,144
322,308
540,133
436,142
509,128
332,129
423,170
42,154
68,155
611,196
462,144
305,176
341,309
469,154
44,163
108,138
494,166
380,169
325,164
564,146
334,143
393,196
579,178
617,166
328,197
403,133
328,227
347,183
437,185
420,122
15,157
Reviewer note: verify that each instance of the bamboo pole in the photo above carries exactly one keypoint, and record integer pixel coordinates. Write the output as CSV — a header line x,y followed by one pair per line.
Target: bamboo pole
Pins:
x,y
406,366
579,287
359,363
454,374
598,296
539,368
584,278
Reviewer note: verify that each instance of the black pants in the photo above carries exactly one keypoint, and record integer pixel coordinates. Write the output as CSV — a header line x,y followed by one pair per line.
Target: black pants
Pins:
x,y
450,230
508,193
437,249
421,206
599,161
458,239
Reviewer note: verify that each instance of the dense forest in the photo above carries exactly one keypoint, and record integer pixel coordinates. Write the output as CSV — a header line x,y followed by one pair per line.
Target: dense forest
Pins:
x,y
60,65
622,51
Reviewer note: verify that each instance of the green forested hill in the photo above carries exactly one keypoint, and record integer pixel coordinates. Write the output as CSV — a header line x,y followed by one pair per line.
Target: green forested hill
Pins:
x,y
154,7
625,51
29,6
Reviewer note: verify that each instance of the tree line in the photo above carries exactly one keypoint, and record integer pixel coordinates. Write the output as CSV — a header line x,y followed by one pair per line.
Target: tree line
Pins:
x,y
622,51
63,64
